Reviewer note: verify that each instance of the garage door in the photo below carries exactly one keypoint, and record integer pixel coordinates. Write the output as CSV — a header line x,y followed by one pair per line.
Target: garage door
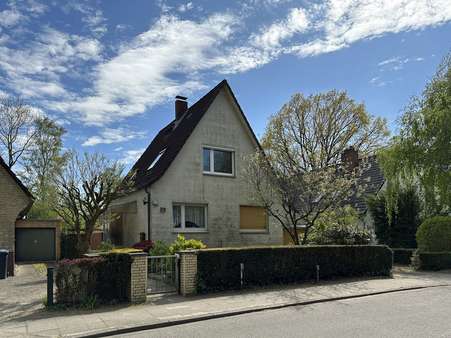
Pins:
x,y
35,244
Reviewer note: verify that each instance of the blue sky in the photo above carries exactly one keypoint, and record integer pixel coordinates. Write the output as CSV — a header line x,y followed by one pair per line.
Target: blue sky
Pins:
x,y
108,71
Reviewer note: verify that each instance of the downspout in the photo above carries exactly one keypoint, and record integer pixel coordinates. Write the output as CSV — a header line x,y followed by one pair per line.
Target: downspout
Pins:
x,y
149,201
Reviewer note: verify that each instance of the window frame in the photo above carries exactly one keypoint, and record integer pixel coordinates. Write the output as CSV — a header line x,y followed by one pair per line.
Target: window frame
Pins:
x,y
254,231
212,160
183,227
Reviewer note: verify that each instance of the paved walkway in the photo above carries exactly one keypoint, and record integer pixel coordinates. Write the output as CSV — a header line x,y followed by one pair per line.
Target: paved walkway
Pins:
x,y
169,308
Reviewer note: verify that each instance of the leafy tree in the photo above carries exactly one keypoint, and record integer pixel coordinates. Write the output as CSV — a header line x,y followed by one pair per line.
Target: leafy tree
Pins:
x,y
16,129
299,175
41,164
421,153
86,186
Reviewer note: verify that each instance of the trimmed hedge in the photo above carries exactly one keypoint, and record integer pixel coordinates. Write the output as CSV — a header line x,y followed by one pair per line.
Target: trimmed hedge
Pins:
x,y
105,278
402,255
434,234
432,260
219,269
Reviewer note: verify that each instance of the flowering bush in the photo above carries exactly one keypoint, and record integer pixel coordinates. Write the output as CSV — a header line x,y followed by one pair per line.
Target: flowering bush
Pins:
x,y
184,244
145,245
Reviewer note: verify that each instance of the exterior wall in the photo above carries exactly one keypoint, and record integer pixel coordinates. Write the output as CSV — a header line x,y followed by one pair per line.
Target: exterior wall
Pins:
x,y
184,182
12,201
133,221
56,224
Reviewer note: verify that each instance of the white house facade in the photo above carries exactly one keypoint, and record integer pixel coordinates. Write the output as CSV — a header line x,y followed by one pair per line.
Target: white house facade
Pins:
x,y
190,180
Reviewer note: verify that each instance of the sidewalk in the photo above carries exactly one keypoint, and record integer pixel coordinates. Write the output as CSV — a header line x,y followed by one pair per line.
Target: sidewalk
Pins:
x,y
163,310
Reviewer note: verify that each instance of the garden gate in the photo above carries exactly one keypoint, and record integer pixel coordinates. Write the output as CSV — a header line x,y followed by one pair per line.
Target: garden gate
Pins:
x,y
163,274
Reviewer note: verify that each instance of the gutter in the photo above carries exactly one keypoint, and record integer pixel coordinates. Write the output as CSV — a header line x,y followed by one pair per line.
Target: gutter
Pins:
x,y
149,210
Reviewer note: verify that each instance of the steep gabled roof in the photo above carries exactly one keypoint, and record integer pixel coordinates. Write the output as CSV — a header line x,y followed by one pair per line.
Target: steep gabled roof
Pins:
x,y
163,149
370,180
15,178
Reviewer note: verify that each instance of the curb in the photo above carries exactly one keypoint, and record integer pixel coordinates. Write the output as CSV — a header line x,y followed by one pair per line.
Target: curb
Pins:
x,y
241,312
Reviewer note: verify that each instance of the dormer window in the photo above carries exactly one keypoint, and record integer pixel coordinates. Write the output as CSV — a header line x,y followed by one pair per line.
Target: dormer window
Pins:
x,y
218,161
156,159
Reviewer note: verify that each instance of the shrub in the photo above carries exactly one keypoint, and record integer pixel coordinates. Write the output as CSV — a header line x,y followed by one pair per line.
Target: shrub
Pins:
x,y
159,249
145,245
402,255
434,234
105,278
219,269
106,246
184,244
339,227
431,260
398,228
336,234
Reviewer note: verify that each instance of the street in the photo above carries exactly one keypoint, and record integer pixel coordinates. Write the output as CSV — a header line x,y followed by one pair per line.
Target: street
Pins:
x,y
418,313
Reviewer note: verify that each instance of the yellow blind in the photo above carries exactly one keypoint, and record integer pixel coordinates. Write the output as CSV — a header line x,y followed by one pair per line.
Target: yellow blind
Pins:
x,y
253,218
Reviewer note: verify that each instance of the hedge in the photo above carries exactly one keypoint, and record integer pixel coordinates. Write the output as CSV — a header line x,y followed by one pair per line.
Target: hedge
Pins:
x,y
432,260
434,234
402,255
105,278
219,269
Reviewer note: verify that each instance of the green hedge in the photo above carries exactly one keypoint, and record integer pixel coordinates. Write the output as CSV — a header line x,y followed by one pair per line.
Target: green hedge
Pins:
x,y
105,278
219,269
434,234
402,255
432,260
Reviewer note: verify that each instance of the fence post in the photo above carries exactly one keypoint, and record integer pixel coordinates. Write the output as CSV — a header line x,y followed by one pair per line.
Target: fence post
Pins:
x,y
50,286
241,274
177,273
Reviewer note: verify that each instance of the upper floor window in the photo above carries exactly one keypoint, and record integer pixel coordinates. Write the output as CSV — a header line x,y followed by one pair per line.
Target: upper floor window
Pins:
x,y
218,161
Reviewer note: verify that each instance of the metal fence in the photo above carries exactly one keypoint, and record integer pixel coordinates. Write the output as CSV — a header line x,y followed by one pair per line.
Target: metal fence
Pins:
x,y
162,274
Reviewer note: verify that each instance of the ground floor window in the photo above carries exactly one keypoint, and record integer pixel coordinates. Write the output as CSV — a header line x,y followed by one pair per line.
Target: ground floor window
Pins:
x,y
189,217
253,218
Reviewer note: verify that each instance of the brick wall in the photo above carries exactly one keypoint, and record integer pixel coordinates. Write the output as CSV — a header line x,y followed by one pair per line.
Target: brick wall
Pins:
x,y
138,280
188,272
12,202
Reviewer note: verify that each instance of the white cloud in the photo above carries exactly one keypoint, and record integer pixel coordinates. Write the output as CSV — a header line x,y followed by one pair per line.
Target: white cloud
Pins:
x,y
130,156
110,135
185,7
140,76
345,22
10,17
397,63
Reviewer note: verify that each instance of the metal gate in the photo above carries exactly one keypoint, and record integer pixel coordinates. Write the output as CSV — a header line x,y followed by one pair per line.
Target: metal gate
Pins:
x,y
162,274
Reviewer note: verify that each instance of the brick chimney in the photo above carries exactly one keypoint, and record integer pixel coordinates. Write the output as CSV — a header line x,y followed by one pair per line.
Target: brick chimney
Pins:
x,y
181,106
350,157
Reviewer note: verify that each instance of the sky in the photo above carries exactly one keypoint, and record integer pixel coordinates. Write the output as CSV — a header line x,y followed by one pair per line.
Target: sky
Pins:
x,y
108,71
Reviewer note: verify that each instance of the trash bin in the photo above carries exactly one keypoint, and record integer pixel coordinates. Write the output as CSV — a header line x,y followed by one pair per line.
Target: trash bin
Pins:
x,y
3,263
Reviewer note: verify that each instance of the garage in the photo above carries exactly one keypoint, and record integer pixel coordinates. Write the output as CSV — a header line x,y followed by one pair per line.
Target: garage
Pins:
x,y
35,244
37,240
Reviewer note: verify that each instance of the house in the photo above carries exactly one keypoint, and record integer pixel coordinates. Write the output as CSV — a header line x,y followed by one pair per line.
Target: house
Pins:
x,y
190,180
15,201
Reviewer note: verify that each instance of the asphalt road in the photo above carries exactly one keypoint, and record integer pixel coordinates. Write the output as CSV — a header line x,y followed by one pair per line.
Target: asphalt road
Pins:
x,y
419,313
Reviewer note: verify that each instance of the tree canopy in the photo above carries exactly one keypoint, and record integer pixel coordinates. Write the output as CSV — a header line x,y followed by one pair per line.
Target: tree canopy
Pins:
x,y
300,175
421,153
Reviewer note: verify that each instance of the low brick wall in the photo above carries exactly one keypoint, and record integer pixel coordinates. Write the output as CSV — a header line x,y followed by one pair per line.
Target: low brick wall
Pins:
x,y
138,278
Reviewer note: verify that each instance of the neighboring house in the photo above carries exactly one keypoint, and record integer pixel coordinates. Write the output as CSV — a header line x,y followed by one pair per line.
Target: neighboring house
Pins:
x,y
190,180
15,201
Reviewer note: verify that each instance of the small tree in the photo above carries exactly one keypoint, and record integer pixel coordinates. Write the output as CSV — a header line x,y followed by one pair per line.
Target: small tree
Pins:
x,y
299,175
422,151
86,186
42,163
16,129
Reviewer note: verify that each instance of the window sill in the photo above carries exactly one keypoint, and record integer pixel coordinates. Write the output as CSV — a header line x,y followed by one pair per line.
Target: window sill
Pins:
x,y
254,231
208,173
185,231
